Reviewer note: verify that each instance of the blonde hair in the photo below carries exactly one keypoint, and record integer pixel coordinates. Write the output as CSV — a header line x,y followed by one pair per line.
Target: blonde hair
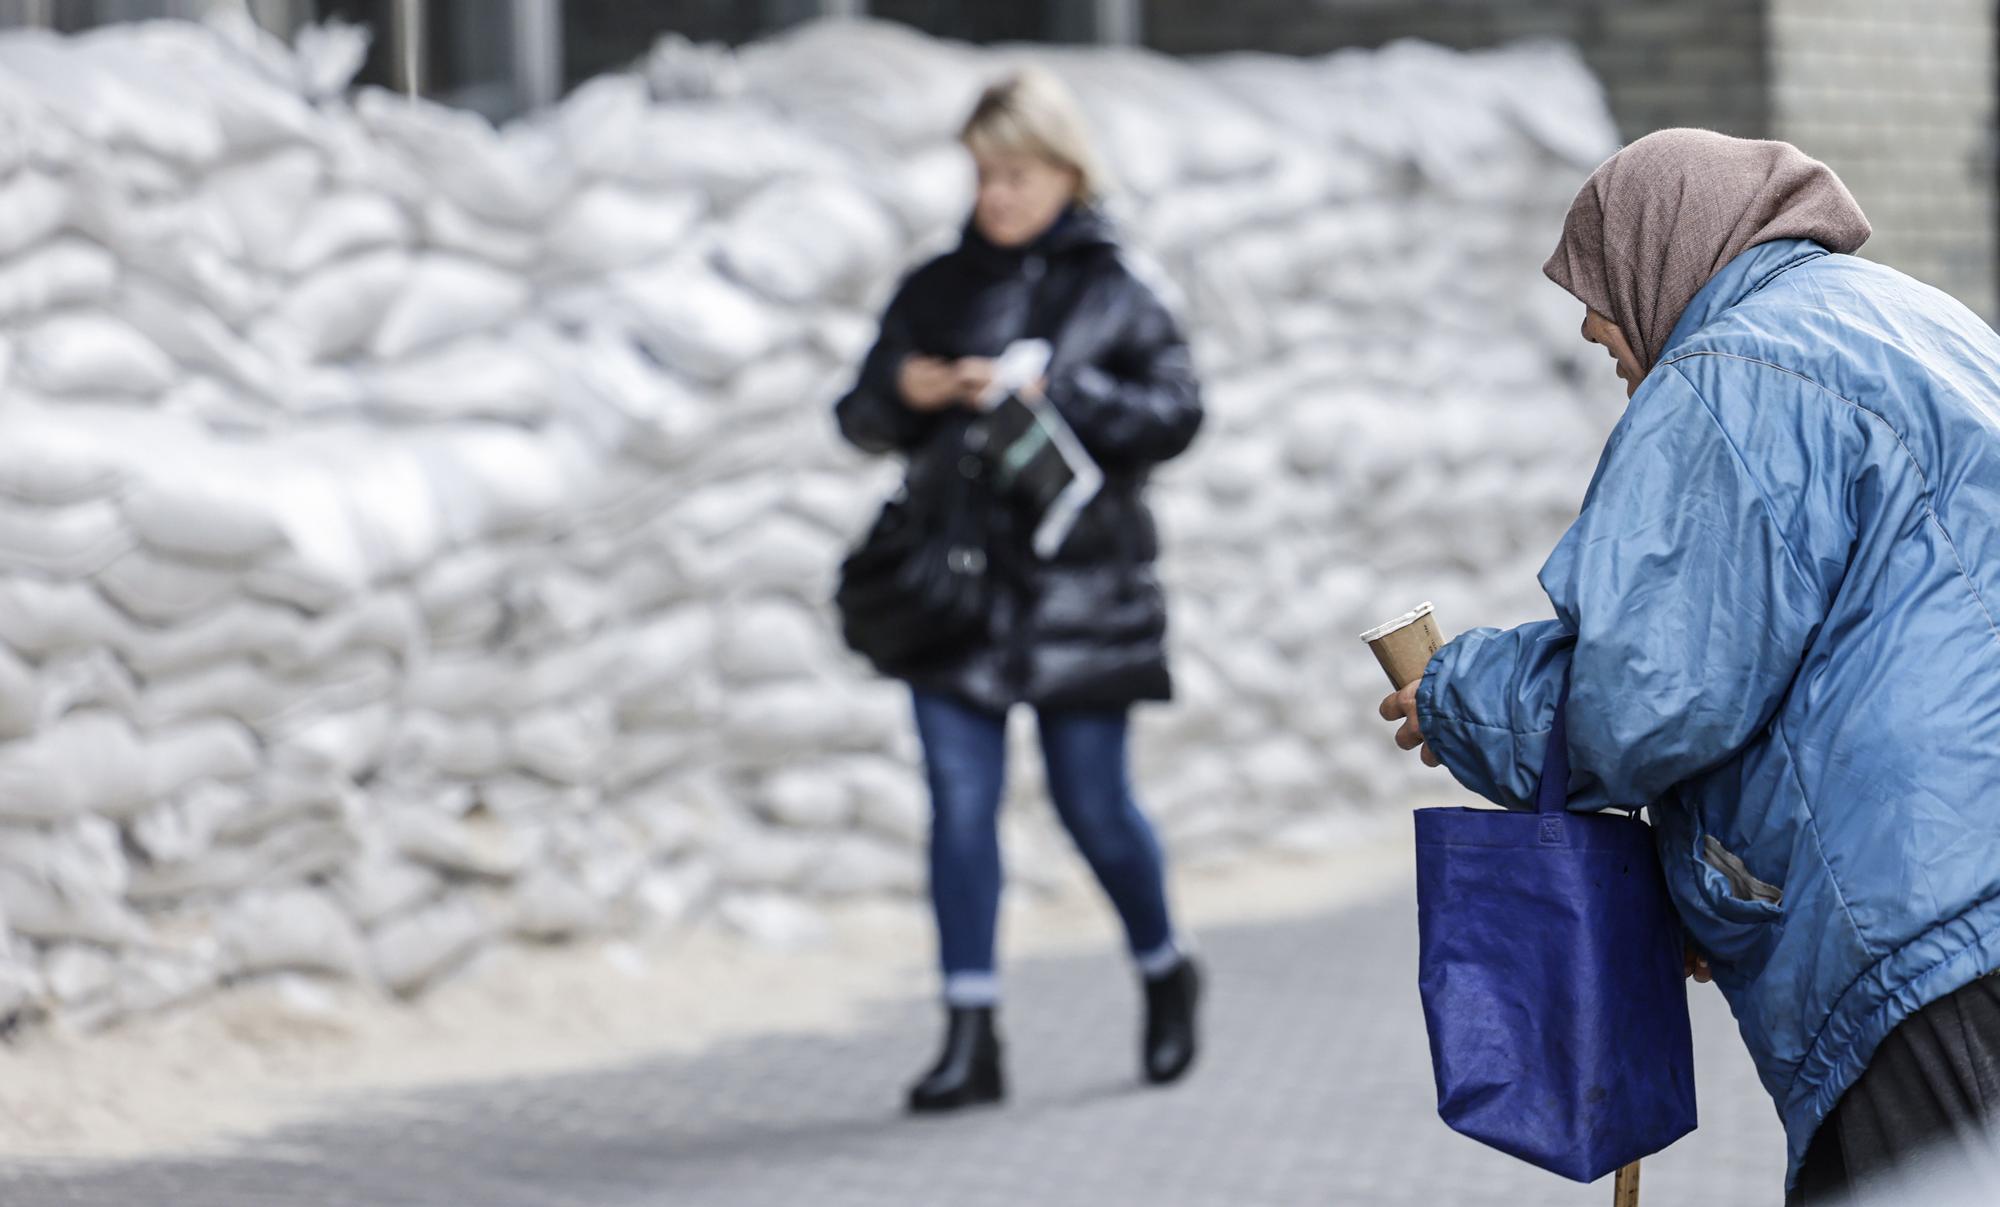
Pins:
x,y
1033,113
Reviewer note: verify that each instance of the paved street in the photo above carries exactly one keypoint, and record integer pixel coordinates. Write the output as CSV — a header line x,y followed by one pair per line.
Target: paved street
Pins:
x,y
1315,1090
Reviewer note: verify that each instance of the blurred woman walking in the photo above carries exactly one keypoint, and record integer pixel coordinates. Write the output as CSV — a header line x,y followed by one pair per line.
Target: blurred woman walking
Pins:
x,y
1078,635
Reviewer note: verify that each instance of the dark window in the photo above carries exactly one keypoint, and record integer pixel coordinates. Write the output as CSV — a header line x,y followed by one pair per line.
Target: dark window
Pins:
x,y
994,20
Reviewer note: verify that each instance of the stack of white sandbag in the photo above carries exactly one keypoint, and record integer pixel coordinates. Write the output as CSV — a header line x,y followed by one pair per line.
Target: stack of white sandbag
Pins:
x,y
414,534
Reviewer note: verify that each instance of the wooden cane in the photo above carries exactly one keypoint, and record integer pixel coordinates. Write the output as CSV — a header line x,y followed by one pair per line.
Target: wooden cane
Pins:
x,y
1625,1187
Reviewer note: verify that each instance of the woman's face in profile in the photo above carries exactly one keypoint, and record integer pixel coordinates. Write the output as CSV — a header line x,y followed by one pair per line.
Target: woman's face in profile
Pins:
x,y
1608,335
1020,196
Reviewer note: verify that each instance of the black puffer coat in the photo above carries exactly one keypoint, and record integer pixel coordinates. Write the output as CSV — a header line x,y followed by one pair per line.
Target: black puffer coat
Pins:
x,y
1087,627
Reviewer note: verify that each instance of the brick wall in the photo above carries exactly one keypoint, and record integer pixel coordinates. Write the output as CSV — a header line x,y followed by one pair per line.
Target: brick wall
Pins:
x,y
1899,98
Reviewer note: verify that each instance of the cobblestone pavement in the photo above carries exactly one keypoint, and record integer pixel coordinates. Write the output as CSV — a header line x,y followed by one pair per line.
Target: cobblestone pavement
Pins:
x,y
1315,1089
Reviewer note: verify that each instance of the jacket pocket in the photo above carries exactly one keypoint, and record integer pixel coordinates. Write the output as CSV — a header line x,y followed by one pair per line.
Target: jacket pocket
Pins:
x,y
1738,909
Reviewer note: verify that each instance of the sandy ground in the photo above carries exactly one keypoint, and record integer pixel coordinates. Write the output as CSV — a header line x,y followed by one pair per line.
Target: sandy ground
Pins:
x,y
267,1054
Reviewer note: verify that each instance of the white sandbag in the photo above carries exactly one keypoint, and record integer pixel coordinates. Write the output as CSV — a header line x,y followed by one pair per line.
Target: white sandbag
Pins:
x,y
804,798
889,798
774,639
664,650
21,986
33,207
772,919
203,751
668,824
314,847
608,227
39,617
725,152
777,554
21,698
92,354
263,197
219,407
81,679
598,122
771,387
549,905
459,578
327,56
643,755
239,629
228,64
349,745
468,748
491,480
342,224
480,377
930,192
182,828
212,521
335,309
520,797
856,865
563,673
485,847
150,981
163,591
461,156
411,952
291,930
387,621
66,542
196,338
567,744
809,240
66,272
77,974
67,883
873,84
619,394
92,95
696,322
458,684
380,885
263,701
787,718
670,896
446,296
88,762
50,465
554,606
447,227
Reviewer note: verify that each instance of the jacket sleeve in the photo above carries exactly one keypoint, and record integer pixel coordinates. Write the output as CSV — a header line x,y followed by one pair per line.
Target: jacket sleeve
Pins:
x,y
1682,617
872,415
1145,405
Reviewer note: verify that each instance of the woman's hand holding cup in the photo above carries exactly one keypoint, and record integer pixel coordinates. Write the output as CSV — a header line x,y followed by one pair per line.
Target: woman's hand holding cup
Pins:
x,y
1402,706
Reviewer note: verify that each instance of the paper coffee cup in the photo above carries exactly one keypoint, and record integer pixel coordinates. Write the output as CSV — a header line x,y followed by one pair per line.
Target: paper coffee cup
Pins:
x,y
1404,645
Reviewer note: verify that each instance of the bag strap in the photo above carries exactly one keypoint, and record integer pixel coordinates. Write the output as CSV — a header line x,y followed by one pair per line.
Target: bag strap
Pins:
x,y
1553,794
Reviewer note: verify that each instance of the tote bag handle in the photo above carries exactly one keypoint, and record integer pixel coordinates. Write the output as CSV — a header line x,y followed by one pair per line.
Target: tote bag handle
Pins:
x,y
1552,801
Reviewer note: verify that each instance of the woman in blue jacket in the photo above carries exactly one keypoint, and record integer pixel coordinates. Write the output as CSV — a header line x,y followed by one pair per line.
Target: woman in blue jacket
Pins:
x,y
1779,616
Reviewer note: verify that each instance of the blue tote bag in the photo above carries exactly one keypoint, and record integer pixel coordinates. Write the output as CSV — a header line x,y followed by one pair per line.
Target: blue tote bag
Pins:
x,y
1551,971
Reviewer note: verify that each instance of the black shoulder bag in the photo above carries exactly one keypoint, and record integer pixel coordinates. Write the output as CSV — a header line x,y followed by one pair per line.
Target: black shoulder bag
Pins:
x,y
920,584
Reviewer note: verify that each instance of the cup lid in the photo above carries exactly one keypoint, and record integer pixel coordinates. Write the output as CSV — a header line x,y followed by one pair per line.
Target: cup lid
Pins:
x,y
1406,619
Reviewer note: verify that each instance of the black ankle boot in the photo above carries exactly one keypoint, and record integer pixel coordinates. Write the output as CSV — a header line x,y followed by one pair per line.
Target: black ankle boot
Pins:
x,y
1171,1038
967,1072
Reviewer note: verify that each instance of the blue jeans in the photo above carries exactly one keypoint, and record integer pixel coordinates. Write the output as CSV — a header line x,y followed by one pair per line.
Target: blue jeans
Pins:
x,y
965,760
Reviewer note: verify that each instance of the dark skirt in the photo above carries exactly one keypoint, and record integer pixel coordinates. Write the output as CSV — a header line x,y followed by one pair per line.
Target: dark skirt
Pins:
x,y
1926,1102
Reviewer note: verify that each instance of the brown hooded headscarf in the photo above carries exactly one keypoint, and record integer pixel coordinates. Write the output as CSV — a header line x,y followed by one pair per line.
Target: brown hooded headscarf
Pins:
x,y
1657,221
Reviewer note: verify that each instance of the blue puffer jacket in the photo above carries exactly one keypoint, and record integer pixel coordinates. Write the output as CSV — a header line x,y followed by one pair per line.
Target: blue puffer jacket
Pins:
x,y
1780,612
